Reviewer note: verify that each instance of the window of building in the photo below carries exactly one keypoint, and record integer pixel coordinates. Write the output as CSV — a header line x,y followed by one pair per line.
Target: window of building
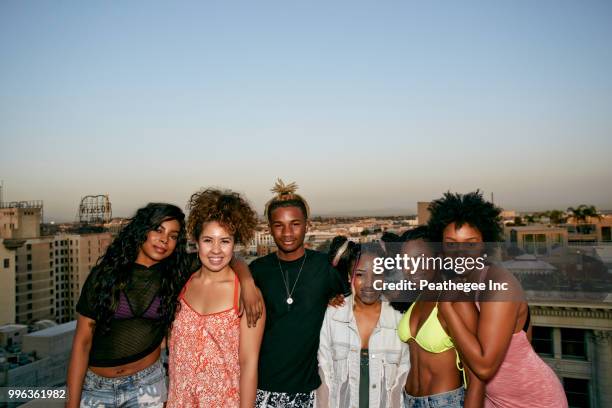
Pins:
x,y
577,392
29,258
573,344
29,267
28,247
7,262
29,316
606,234
29,307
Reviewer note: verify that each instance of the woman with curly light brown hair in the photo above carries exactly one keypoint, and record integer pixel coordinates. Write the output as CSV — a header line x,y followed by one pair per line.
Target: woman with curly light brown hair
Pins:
x,y
213,351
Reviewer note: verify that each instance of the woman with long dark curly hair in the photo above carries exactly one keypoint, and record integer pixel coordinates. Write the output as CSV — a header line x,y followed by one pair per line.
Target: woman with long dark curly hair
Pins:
x,y
125,310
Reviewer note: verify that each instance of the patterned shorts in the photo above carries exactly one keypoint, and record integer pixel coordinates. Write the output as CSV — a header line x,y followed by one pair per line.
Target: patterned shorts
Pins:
x,y
269,399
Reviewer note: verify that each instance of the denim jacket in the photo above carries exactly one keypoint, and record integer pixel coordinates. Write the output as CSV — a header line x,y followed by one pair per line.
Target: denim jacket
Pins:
x,y
339,359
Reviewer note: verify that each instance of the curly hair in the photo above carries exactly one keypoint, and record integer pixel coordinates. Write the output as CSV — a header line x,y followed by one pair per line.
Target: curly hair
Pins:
x,y
113,270
227,208
470,209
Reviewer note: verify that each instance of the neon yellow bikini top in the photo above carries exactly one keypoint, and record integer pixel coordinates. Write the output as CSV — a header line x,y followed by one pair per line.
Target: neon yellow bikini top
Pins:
x,y
430,337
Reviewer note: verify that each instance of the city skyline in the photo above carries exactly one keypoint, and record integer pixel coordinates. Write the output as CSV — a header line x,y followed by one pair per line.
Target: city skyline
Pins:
x,y
369,108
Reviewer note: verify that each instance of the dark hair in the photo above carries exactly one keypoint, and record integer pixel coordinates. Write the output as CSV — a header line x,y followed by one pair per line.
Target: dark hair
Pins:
x,y
350,254
114,268
389,237
420,232
294,202
470,209
227,208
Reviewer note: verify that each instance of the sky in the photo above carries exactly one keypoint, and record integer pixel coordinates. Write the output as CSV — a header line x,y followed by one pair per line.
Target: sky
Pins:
x,y
368,106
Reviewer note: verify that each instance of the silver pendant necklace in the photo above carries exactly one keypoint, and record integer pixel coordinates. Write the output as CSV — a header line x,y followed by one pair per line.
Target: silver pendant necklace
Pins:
x,y
285,280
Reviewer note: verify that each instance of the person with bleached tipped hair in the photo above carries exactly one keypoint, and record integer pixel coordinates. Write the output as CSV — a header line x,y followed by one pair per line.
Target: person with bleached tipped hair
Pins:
x,y
362,360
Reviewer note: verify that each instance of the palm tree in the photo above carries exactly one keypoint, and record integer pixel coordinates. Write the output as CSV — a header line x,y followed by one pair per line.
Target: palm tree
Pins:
x,y
591,212
530,219
583,212
557,217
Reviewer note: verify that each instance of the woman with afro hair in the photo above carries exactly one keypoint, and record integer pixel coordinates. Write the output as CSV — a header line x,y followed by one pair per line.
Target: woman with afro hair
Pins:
x,y
500,353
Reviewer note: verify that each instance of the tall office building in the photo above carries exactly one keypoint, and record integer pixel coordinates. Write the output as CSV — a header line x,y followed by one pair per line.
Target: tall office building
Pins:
x,y
7,282
75,256
34,280
42,277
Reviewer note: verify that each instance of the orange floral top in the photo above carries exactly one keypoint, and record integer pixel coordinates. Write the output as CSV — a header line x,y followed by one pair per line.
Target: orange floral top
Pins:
x,y
204,366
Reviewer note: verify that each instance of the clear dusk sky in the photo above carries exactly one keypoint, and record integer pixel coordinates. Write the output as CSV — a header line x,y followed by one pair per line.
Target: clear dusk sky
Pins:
x,y
370,106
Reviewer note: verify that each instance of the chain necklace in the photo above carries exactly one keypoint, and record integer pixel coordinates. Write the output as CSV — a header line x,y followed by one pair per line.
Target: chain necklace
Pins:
x,y
285,280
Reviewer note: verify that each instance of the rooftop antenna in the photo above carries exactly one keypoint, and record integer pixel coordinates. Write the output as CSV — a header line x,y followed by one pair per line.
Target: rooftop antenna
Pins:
x,y
1,191
492,201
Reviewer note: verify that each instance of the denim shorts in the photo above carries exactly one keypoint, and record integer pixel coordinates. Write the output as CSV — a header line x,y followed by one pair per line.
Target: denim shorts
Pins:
x,y
146,388
450,399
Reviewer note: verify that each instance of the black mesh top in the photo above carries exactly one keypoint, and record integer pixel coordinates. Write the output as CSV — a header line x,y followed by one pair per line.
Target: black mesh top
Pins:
x,y
136,329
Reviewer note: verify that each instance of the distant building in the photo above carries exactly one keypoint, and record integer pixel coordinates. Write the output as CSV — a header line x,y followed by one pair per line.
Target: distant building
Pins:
x,y
423,213
12,334
575,339
7,282
74,255
116,224
20,219
508,216
592,231
42,277
43,360
34,280
536,239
